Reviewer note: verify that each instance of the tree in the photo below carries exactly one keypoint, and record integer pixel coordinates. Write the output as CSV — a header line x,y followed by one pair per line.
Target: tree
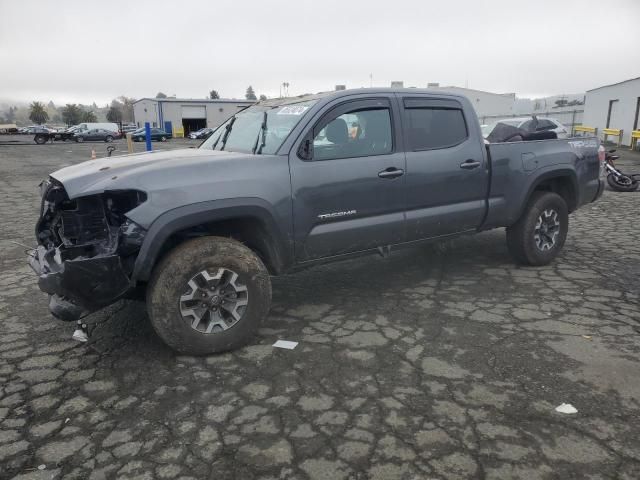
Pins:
x,y
72,114
213,95
115,112
250,95
263,97
127,108
89,116
161,95
37,113
11,114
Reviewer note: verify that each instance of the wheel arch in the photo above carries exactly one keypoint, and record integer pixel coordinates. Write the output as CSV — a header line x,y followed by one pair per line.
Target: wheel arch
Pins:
x,y
250,223
563,181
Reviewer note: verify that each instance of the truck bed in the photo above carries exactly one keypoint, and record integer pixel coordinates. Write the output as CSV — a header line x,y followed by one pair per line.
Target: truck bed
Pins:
x,y
517,167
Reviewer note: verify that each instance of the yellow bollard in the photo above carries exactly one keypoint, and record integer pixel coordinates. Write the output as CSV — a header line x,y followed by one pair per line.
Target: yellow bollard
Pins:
x,y
129,143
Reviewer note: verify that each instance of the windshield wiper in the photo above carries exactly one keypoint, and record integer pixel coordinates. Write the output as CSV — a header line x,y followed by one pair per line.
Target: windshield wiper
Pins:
x,y
225,136
263,130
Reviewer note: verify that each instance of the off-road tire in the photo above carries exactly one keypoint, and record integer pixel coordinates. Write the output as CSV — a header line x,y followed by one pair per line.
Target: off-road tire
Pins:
x,y
521,240
170,279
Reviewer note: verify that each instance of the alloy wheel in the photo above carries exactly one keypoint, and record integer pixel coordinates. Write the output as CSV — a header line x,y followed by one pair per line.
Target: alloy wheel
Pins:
x,y
214,302
547,230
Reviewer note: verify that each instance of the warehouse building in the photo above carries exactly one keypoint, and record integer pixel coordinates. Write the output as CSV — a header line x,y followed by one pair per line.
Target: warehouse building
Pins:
x,y
187,115
614,106
486,104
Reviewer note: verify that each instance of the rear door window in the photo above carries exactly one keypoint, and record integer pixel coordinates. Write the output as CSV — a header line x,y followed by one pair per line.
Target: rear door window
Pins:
x,y
545,125
433,127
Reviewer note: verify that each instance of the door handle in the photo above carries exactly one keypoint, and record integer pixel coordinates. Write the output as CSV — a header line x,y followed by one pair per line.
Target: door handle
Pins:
x,y
469,164
391,172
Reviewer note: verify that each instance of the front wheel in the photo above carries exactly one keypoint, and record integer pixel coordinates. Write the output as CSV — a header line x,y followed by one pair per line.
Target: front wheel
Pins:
x,y
79,139
108,139
539,234
623,183
208,295
163,138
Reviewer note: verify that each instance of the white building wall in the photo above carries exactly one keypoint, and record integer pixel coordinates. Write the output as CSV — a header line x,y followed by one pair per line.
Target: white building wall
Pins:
x,y
485,103
596,107
145,111
216,112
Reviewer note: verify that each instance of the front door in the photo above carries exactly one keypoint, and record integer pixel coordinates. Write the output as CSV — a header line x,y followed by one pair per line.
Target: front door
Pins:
x,y
447,174
347,180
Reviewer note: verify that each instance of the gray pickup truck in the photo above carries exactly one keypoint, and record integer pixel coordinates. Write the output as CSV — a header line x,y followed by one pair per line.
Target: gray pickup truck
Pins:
x,y
287,183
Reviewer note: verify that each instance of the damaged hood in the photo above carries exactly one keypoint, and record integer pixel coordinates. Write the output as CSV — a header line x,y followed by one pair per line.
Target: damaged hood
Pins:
x,y
135,171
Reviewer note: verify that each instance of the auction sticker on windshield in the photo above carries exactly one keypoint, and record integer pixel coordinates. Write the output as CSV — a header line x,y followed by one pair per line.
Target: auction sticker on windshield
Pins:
x,y
293,110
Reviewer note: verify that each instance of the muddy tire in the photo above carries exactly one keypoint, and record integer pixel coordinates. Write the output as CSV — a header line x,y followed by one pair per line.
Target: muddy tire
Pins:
x,y
208,295
539,235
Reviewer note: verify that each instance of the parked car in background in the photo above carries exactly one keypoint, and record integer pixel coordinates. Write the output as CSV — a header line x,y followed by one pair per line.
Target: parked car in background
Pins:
x,y
86,126
31,129
126,128
531,124
202,133
156,134
96,134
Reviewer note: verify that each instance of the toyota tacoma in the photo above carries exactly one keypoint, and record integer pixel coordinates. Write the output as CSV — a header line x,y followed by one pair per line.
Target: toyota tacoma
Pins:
x,y
288,183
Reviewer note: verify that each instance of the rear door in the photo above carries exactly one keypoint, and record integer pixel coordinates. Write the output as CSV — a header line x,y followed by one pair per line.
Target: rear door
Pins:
x,y
347,185
447,174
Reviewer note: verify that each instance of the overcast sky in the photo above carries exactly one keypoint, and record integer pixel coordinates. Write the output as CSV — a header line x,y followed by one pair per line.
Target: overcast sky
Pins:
x,y
84,51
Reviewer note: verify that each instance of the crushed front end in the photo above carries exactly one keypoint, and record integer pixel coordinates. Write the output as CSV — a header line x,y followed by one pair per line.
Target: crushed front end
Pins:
x,y
86,248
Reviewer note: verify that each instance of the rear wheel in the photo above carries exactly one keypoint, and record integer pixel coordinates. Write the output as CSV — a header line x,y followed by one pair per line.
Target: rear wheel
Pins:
x,y
163,138
40,139
108,139
539,235
208,295
623,183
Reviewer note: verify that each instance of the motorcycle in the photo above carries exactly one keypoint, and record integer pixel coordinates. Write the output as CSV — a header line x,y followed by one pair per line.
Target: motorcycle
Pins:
x,y
618,181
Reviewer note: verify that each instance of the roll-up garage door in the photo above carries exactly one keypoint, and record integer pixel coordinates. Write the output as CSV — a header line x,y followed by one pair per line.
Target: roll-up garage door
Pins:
x,y
193,112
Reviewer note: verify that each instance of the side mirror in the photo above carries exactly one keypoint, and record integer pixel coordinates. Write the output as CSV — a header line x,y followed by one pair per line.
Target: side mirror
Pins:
x,y
305,151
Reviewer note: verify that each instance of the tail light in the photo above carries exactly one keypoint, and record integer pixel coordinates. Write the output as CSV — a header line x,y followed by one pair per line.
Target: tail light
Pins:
x,y
601,154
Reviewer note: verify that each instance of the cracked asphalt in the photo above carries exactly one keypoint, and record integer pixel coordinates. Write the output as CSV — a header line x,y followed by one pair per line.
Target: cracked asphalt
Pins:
x,y
441,362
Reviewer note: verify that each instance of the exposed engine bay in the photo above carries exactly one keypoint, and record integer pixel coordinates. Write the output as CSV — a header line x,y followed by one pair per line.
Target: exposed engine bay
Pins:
x,y
86,248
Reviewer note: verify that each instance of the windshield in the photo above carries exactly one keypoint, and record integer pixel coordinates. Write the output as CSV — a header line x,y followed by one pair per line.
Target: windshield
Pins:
x,y
487,129
257,129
